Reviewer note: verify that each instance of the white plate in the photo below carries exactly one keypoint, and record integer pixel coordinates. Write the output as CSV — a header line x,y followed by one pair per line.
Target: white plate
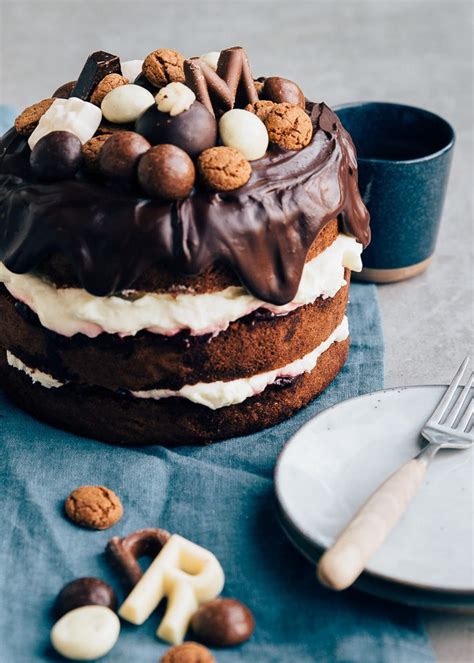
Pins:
x,y
332,465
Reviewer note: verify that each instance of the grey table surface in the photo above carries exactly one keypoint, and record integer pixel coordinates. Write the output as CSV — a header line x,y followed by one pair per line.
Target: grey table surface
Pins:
x,y
417,52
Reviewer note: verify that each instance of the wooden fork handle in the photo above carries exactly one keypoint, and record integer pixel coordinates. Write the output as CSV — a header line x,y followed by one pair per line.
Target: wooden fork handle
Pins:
x,y
342,564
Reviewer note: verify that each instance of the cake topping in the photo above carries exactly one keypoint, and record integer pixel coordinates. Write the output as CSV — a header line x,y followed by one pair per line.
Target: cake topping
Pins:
x,y
260,108
245,132
126,103
84,591
64,90
73,115
56,156
132,69
28,119
91,152
188,652
218,90
163,66
289,126
282,90
175,98
193,130
97,66
211,59
167,172
223,168
108,83
223,623
120,154
96,507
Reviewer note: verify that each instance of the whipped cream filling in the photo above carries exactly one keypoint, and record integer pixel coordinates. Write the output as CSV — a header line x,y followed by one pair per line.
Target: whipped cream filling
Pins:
x,y
70,311
214,395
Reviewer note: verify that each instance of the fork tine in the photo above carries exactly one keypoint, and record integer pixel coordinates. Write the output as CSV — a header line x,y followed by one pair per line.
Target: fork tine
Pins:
x,y
450,391
459,404
466,417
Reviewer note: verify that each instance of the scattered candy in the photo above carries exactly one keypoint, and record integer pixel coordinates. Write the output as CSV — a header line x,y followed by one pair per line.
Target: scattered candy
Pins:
x,y
189,652
86,633
119,156
183,572
96,507
223,623
97,66
244,131
131,69
126,103
223,168
84,591
125,551
193,130
28,119
166,171
175,98
281,90
78,117
289,126
260,108
211,59
64,90
163,66
106,85
57,156
91,152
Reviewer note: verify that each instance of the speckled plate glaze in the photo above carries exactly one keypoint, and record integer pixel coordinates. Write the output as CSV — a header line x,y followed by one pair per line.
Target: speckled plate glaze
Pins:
x,y
332,465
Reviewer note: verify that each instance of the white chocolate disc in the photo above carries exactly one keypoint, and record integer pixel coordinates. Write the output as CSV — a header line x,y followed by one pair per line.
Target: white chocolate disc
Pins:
x,y
74,115
126,103
245,132
86,633
131,69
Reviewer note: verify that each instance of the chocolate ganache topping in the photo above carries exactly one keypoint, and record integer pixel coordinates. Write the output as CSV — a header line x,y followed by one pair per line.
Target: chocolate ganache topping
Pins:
x,y
263,230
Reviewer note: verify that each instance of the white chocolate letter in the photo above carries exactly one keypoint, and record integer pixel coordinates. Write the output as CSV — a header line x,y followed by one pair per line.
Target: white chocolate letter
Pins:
x,y
183,572
74,115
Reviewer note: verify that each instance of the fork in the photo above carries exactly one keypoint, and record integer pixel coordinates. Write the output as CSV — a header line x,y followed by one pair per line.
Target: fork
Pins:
x,y
448,427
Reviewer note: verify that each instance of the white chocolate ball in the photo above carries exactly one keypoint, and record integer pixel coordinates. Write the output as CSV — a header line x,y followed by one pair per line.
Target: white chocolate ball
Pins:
x,y
131,69
175,98
86,633
244,131
211,59
126,103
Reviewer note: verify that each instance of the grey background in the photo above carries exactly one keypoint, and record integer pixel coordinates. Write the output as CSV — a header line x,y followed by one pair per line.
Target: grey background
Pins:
x,y
418,52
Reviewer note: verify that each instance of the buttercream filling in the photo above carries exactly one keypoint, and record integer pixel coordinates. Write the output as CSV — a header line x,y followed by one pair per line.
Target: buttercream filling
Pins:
x,y
70,311
214,395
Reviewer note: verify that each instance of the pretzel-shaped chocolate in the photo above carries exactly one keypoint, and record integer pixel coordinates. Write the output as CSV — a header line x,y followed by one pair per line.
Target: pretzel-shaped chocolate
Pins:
x,y
126,551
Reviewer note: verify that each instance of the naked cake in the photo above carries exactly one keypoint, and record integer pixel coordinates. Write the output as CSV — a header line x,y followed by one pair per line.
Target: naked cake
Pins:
x,y
176,241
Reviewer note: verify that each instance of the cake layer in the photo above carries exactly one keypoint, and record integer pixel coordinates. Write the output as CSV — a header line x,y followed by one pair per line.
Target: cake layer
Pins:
x,y
69,311
258,343
122,419
213,395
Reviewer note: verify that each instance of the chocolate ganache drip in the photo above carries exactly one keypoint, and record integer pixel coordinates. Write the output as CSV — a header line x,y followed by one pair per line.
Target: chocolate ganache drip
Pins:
x,y
263,230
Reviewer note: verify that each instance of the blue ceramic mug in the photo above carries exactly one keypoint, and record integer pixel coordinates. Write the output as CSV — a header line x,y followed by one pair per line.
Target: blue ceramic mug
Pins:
x,y
404,155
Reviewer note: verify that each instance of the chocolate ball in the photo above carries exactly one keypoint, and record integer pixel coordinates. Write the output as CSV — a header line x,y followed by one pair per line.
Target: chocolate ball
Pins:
x,y
84,591
119,156
223,623
193,130
56,156
282,90
166,171
64,90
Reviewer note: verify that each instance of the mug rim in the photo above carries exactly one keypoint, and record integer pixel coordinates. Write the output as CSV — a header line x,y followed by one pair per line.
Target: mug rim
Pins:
x,y
418,109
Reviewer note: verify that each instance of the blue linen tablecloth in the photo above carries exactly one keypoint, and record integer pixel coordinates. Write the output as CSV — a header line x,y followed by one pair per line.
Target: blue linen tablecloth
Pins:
x,y
221,497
